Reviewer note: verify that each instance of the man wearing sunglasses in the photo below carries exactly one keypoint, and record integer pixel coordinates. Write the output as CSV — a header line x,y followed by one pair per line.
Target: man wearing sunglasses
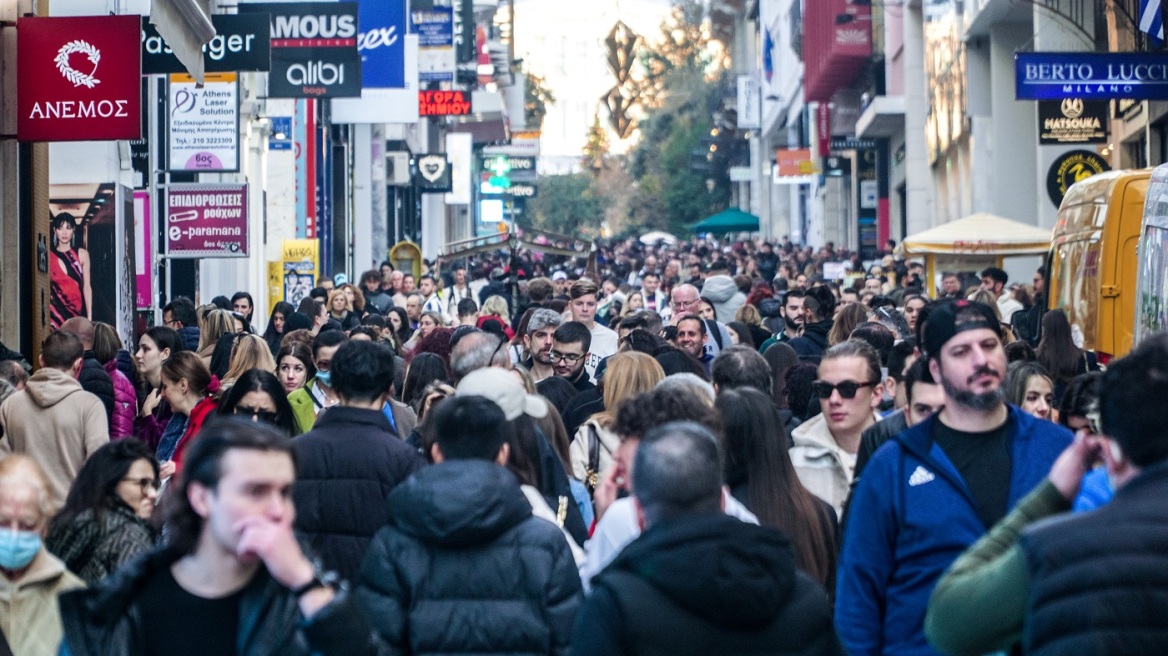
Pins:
x,y
569,353
824,448
937,487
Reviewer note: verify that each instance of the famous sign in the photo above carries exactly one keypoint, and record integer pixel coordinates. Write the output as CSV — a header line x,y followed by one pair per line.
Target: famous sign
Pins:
x,y
314,49
79,78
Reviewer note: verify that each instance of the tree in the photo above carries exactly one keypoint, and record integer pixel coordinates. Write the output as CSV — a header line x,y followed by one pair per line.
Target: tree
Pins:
x,y
596,146
567,204
536,98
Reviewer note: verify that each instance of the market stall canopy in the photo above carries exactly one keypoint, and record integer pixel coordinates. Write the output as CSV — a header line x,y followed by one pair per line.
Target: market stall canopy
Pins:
x,y
650,238
729,220
979,234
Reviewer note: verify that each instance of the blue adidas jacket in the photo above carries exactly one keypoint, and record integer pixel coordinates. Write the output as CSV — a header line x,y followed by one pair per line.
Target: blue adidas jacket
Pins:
x,y
910,517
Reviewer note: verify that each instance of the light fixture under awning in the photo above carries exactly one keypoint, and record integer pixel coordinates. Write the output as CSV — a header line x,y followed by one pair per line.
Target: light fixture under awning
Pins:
x,y
186,27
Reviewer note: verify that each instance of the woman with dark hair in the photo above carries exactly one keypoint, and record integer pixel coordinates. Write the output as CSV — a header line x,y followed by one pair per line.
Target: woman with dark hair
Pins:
x,y
105,521
740,334
760,475
800,400
1058,354
106,345
275,330
190,387
242,303
781,357
1079,402
400,321
422,370
69,275
259,396
154,347
294,366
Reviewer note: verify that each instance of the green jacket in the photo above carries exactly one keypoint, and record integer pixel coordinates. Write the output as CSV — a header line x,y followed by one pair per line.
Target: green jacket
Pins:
x,y
303,407
979,606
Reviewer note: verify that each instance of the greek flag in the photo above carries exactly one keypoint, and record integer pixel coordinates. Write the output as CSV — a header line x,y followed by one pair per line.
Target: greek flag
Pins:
x,y
1152,18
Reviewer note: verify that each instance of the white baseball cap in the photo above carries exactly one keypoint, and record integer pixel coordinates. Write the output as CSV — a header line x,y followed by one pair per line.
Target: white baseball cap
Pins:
x,y
500,386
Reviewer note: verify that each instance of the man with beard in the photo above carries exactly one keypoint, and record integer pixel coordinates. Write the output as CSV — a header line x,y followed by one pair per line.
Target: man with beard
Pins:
x,y
791,312
569,353
818,310
938,486
538,341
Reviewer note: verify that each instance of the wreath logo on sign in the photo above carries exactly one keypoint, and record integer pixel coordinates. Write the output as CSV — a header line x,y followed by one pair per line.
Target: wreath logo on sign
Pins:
x,y
78,78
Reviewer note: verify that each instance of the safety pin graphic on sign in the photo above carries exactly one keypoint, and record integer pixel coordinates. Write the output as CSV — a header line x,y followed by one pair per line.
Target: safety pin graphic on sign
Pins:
x,y
189,215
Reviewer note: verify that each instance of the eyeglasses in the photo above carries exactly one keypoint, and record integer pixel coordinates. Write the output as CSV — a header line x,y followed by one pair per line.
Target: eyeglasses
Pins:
x,y
847,389
144,483
685,304
256,413
570,358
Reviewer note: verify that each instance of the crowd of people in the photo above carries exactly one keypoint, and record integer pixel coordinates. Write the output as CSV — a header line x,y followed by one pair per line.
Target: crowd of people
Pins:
x,y
694,448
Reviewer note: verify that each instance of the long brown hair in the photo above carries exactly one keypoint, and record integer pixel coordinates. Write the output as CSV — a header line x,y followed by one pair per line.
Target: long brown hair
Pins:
x,y
1056,350
187,366
845,322
755,447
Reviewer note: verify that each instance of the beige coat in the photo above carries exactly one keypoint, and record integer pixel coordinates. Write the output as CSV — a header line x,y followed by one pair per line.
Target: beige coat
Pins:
x,y
56,423
578,449
28,608
823,467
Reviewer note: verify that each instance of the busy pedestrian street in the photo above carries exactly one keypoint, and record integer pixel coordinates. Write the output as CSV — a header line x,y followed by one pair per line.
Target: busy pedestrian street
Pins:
x,y
631,327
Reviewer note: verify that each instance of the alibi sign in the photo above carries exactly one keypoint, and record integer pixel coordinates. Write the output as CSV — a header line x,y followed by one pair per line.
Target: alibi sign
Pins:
x,y
79,78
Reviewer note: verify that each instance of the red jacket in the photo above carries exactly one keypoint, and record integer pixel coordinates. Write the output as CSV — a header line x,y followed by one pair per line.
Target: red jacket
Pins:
x,y
198,417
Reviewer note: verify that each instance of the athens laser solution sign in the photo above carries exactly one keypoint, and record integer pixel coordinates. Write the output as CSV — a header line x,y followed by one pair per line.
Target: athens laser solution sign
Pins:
x,y
79,78
204,124
1091,76
206,220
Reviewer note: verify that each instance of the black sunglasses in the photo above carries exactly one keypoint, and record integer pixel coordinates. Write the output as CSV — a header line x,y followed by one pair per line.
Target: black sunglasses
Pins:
x,y
256,413
847,389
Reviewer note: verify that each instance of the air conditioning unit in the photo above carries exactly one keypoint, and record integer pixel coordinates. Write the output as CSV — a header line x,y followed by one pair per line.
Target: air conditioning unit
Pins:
x,y
397,169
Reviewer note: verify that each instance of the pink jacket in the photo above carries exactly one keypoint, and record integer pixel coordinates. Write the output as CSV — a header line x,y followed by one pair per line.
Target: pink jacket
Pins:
x,y
125,403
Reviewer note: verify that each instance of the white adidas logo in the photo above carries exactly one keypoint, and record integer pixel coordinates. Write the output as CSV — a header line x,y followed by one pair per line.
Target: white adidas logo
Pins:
x,y
920,476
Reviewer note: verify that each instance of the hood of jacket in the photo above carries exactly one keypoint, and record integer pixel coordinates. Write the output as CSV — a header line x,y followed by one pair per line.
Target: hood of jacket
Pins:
x,y
48,386
814,434
817,332
733,574
459,503
719,289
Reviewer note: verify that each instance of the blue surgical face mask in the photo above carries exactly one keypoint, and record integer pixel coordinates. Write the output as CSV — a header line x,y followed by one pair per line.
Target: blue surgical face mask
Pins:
x,y
18,548
325,378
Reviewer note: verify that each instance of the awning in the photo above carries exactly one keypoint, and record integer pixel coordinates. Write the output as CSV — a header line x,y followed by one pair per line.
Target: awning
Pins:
x,y
730,220
884,117
186,27
980,234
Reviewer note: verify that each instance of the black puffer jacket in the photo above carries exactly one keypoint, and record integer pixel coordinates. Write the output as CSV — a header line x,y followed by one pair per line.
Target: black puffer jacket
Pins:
x,y
95,380
705,585
464,567
346,466
106,619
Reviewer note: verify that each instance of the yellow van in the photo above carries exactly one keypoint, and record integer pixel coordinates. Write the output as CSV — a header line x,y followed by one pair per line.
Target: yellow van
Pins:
x,y
1093,259
1152,280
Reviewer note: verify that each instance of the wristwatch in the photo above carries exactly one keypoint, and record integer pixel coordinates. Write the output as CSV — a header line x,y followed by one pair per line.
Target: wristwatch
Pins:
x,y
326,580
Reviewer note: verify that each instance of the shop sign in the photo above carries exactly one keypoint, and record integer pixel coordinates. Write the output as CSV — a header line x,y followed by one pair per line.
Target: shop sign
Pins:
x,y
513,190
443,103
433,174
435,30
79,78
314,49
1090,75
795,162
203,123
241,43
206,220
1072,121
1074,166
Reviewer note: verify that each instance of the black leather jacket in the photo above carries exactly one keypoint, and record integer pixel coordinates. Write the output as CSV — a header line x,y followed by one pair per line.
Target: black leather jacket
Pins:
x,y
105,620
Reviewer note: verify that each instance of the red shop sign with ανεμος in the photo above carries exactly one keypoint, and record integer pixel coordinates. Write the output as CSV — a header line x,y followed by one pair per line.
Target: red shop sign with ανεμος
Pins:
x,y
79,78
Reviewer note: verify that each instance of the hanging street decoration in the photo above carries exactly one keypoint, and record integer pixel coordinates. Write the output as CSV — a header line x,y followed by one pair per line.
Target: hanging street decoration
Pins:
x,y
622,47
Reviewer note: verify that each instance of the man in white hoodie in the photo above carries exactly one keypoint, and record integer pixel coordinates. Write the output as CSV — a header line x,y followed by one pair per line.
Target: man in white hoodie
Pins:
x,y
824,448
53,420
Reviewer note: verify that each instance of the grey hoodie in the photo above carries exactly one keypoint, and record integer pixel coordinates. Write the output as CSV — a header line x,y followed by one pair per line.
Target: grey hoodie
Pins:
x,y
56,423
722,292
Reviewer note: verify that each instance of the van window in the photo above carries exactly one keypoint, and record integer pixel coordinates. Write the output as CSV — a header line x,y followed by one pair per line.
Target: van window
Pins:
x,y
1152,312
1076,267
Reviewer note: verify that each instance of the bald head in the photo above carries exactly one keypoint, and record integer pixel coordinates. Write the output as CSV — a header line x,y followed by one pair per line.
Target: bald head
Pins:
x,y
82,328
25,492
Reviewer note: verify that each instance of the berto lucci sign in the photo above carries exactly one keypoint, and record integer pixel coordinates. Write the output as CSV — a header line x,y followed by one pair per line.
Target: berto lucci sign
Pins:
x,y
314,49
79,78
1090,75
